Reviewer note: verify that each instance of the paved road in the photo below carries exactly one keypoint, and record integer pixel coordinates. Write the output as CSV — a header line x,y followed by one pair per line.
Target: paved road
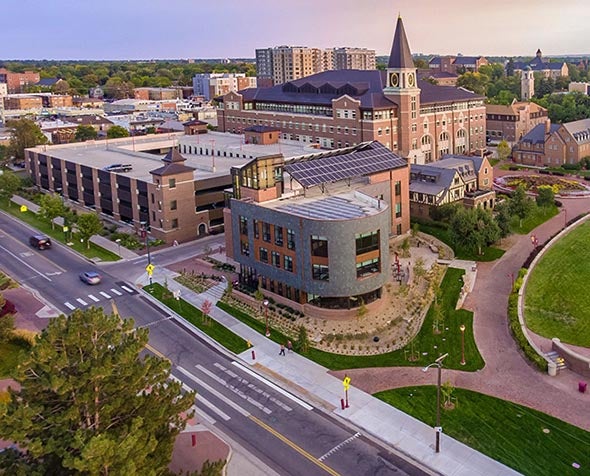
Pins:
x,y
283,432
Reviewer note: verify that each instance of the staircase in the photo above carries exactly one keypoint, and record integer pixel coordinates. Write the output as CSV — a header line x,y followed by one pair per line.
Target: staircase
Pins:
x,y
215,293
555,357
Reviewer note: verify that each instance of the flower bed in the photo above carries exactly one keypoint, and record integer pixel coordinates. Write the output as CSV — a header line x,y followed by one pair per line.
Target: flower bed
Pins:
x,y
532,183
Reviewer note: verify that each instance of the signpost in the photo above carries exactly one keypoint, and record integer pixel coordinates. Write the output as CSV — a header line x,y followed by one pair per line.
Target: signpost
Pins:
x,y
346,383
23,208
150,270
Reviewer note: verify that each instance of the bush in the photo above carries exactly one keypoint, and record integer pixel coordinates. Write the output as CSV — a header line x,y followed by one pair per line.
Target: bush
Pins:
x,y
558,173
130,242
514,167
571,166
7,308
545,172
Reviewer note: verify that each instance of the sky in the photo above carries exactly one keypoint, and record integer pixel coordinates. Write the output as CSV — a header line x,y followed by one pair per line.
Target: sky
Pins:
x,y
146,29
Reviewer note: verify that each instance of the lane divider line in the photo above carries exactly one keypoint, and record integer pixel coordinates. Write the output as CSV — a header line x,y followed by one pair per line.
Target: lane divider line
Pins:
x,y
297,448
26,264
273,386
339,446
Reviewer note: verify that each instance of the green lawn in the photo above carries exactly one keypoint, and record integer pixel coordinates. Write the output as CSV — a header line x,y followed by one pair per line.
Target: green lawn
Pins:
x,y
9,356
426,342
528,441
489,253
193,315
538,216
556,300
57,234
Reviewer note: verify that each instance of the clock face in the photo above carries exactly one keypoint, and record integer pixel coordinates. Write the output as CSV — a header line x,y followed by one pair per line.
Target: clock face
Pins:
x,y
411,79
394,80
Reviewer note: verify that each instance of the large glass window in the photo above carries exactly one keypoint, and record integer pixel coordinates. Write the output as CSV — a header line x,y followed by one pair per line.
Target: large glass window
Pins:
x,y
276,259
243,225
368,267
278,235
321,272
263,252
366,242
266,232
319,246
290,239
288,263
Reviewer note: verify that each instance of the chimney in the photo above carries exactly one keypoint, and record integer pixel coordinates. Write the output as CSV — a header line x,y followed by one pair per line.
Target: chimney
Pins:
x,y
547,126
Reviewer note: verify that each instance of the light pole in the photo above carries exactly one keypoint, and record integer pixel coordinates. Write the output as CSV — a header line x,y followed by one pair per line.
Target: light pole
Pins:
x,y
265,303
147,244
118,241
462,329
438,429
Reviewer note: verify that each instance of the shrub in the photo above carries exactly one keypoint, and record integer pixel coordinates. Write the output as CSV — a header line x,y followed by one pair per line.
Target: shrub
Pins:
x,y
571,166
545,172
514,167
558,173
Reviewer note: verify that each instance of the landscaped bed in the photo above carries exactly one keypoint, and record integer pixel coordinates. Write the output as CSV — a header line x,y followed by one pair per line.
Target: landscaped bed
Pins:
x,y
556,303
527,440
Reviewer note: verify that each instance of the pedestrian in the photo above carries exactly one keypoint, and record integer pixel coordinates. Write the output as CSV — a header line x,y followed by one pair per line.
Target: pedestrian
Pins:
x,y
282,352
290,346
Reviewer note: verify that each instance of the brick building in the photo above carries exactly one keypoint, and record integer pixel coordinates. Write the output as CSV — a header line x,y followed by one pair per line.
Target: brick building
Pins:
x,y
549,69
22,102
157,94
334,109
456,64
16,82
210,85
511,123
314,230
553,145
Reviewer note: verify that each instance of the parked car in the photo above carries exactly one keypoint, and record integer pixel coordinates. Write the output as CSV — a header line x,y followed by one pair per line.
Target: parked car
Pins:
x,y
118,168
41,242
90,277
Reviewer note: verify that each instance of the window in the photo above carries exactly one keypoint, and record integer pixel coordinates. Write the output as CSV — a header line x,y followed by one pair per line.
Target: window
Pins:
x,y
290,239
276,259
398,210
245,248
278,235
266,232
398,229
263,253
321,272
288,263
319,246
172,183
256,225
368,267
366,242
173,205
174,223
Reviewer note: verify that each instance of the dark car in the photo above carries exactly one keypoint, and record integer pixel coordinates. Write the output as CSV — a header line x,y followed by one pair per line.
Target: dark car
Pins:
x,y
41,242
118,168
90,277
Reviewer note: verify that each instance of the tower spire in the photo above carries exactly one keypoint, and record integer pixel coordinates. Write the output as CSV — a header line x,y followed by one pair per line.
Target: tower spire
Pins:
x,y
401,55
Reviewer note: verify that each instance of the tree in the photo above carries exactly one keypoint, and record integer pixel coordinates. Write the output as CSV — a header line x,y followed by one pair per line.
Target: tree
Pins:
x,y
510,67
447,390
519,204
84,133
302,343
6,323
88,225
9,184
51,207
475,82
88,403
545,196
474,228
502,217
206,309
116,88
503,150
115,132
61,87
25,134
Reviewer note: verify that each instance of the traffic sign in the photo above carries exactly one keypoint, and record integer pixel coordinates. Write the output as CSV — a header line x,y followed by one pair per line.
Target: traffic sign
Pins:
x,y
23,208
150,269
346,383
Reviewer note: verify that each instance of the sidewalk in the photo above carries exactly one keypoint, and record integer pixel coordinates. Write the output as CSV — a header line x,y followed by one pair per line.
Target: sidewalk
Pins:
x,y
316,386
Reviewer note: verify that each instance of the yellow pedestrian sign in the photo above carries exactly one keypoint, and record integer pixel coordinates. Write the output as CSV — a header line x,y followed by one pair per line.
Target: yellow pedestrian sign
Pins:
x,y
23,208
346,383
150,269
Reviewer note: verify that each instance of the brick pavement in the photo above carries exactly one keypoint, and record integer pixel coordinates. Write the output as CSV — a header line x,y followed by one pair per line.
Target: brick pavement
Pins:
x,y
507,374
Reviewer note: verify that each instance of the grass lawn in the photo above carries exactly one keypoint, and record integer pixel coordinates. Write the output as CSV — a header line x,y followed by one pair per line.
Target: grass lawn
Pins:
x,y
556,300
57,234
426,342
9,356
538,216
528,441
193,315
489,252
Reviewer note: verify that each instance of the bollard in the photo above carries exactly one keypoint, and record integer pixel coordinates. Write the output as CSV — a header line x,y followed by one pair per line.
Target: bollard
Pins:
x,y
342,403
253,355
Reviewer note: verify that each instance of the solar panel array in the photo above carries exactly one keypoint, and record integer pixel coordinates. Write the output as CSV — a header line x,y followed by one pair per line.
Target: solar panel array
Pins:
x,y
331,208
369,160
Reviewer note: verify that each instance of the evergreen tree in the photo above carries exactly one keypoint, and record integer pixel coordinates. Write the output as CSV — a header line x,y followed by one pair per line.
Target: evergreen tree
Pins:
x,y
88,403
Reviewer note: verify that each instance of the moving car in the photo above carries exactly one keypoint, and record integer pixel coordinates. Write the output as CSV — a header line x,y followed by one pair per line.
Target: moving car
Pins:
x,y
41,242
90,277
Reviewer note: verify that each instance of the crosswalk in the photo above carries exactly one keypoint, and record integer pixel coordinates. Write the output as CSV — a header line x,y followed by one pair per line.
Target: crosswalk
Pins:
x,y
88,299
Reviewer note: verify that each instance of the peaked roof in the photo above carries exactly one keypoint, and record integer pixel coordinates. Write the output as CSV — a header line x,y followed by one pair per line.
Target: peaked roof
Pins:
x,y
48,81
173,164
537,134
400,56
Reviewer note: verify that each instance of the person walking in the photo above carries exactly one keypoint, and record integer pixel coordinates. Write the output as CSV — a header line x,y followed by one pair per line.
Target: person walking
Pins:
x,y
282,352
289,346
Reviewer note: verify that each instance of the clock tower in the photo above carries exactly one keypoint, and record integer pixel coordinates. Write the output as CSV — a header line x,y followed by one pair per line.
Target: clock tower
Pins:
x,y
402,88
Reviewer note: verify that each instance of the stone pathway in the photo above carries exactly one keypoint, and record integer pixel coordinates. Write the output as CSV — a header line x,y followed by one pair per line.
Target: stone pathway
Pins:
x,y
507,374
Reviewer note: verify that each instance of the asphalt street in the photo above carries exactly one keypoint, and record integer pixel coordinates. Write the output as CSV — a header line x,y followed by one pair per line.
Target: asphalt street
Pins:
x,y
282,431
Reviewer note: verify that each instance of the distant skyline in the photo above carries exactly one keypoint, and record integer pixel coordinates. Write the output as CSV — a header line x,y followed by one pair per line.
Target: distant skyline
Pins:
x,y
173,29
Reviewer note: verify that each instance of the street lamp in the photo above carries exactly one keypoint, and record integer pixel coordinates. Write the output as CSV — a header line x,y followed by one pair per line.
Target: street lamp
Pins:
x,y
438,429
265,303
118,241
147,244
462,329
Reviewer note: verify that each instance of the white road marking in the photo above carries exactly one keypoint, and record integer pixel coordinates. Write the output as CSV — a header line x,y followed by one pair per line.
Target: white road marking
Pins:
x,y
25,263
273,386
339,446
213,408
116,292
237,391
69,306
102,293
94,298
127,289
210,389
81,301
